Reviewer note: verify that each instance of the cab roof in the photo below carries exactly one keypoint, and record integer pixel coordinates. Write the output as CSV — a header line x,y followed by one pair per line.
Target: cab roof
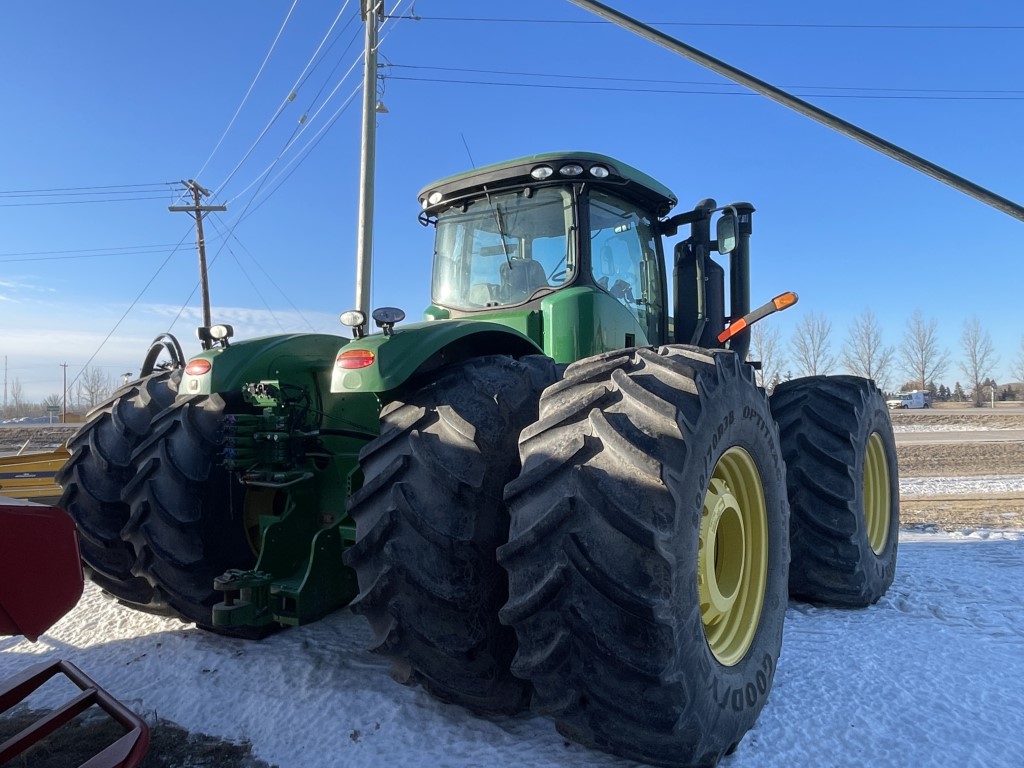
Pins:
x,y
625,179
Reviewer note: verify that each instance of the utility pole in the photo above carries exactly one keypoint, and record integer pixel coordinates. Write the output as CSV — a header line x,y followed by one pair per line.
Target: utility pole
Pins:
x,y
197,210
64,415
367,160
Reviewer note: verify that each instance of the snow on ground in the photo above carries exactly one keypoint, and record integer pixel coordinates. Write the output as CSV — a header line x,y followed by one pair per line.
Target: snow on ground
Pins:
x,y
930,676
897,428
934,486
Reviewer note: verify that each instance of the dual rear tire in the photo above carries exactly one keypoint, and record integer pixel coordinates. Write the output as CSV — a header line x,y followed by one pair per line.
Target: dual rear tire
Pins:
x,y
95,475
429,518
648,554
158,518
187,521
843,482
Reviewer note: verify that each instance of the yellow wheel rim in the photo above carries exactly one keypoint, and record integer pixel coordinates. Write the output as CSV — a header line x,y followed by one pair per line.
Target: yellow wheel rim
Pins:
x,y
877,500
732,556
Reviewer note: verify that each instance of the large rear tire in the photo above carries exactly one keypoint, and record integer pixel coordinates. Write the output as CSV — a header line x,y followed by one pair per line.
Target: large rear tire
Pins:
x,y
429,519
187,519
99,468
843,482
648,554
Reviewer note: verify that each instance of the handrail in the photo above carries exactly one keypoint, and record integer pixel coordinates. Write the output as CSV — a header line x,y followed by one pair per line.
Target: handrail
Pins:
x,y
126,752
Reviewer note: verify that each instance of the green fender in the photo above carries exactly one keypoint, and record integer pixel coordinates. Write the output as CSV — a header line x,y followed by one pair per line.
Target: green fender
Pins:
x,y
380,363
290,358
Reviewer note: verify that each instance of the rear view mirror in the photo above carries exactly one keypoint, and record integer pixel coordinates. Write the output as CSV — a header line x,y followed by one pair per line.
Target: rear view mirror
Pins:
x,y
726,233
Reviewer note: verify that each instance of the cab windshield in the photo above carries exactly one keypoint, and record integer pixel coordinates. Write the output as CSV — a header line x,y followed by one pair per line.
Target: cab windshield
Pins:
x,y
504,249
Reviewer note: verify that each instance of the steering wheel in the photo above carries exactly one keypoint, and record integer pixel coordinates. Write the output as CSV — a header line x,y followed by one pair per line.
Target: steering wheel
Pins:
x,y
559,272
622,291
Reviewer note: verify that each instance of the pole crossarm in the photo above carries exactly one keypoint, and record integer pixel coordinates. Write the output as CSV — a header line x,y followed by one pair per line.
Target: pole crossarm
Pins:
x,y
200,208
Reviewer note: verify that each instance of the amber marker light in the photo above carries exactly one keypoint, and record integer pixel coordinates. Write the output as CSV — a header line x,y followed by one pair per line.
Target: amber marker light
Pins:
x,y
355,358
785,300
780,302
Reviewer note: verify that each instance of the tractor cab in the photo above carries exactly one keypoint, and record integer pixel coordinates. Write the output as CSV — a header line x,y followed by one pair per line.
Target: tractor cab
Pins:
x,y
571,235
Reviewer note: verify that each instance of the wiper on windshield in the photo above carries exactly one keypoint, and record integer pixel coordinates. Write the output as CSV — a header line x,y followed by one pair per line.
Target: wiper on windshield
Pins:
x,y
499,220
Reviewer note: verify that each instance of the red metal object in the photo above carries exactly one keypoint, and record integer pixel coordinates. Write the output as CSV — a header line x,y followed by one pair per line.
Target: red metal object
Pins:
x,y
41,580
126,752
40,567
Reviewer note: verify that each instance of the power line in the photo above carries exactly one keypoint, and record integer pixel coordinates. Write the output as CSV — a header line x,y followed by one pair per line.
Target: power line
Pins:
x,y
261,178
292,93
84,202
266,275
341,58
752,25
692,82
75,257
304,125
305,120
315,59
131,306
245,274
80,189
88,250
104,196
252,85
301,155
700,93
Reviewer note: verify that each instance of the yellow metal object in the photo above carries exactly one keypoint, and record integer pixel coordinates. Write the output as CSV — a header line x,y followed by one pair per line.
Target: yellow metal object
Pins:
x,y
33,475
732,559
877,501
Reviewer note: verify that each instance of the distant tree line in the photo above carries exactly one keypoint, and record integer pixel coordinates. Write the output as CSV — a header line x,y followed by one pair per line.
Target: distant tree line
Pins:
x,y
85,392
918,360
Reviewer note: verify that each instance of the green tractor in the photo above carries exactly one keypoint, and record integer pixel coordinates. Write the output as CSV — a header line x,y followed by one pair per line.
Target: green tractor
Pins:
x,y
552,492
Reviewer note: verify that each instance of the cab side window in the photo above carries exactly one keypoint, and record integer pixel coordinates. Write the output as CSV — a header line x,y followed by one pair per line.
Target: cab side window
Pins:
x,y
623,259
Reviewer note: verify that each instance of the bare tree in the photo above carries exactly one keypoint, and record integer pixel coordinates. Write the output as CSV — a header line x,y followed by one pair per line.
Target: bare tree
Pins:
x,y
920,356
979,357
765,341
1017,366
17,401
864,353
93,386
811,347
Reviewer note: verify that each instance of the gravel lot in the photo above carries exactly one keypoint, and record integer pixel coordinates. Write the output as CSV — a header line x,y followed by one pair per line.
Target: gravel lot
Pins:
x,y
974,458
39,438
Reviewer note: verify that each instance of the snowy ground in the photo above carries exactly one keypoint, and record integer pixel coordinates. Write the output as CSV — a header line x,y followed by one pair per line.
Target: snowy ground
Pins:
x,y
935,486
900,428
930,676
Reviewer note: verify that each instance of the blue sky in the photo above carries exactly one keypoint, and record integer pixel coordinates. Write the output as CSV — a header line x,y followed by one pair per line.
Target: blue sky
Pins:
x,y
131,95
